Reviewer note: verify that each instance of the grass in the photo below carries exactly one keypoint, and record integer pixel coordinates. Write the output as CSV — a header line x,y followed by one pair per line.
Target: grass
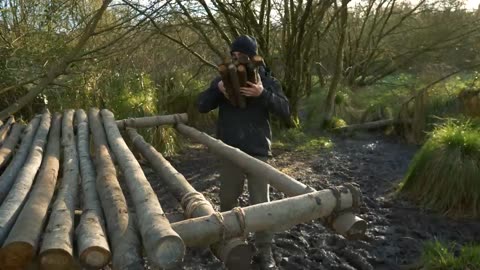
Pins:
x,y
445,174
297,140
437,256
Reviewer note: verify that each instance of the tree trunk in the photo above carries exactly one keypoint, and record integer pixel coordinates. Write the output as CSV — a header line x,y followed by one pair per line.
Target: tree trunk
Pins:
x,y
10,143
271,216
9,175
12,205
57,245
21,245
193,203
125,243
5,128
163,246
152,121
368,125
92,244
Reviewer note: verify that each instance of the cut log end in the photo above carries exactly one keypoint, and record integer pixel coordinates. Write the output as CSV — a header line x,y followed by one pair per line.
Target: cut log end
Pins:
x,y
170,251
95,257
235,253
17,255
56,259
350,226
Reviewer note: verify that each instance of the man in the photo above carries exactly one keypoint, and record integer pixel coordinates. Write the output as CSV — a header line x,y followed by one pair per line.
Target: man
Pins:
x,y
249,130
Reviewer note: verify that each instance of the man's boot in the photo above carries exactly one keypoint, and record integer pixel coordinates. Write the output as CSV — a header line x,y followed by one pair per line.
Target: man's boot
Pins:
x,y
265,258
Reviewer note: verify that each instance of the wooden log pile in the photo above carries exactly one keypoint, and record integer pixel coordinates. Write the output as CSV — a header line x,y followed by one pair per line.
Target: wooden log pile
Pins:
x,y
61,164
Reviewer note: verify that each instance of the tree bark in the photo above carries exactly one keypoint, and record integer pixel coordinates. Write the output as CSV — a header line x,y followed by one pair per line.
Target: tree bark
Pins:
x,y
9,175
93,249
125,243
21,245
57,245
152,121
271,216
12,205
9,144
5,128
163,246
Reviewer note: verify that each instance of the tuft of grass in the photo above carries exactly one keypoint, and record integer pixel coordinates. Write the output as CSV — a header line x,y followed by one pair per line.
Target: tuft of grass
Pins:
x,y
440,257
445,174
297,140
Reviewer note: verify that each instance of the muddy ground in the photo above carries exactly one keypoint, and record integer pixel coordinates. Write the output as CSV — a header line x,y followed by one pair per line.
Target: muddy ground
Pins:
x,y
396,228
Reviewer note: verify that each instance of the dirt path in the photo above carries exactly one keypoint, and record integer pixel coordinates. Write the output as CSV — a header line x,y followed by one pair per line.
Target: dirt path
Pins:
x,y
397,229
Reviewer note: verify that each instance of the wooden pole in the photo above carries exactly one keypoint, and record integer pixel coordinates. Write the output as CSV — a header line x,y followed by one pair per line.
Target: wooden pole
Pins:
x,y
5,128
125,242
368,125
10,174
163,245
152,121
12,205
279,180
21,245
92,244
236,254
56,251
9,144
269,216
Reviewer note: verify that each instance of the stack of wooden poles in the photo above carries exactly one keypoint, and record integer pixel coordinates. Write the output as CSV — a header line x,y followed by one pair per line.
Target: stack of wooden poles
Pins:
x,y
49,169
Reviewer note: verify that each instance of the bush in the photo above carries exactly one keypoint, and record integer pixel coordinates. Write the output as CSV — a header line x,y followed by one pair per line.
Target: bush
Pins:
x,y
445,174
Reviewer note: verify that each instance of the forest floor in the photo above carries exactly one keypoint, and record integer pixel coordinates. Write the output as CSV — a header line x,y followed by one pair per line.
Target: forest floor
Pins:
x,y
397,229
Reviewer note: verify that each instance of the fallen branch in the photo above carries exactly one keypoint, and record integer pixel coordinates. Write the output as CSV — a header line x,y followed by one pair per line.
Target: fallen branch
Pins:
x,y
368,125
152,121
9,175
163,246
10,143
5,128
56,251
12,205
125,243
93,249
21,245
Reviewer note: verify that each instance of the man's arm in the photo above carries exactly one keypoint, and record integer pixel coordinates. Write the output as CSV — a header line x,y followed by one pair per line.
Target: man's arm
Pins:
x,y
209,99
274,98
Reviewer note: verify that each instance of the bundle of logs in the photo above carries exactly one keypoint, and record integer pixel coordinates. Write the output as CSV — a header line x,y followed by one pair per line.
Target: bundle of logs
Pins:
x,y
40,193
236,72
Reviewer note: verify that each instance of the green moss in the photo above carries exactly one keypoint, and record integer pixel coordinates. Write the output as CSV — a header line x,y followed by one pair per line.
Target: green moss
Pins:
x,y
445,174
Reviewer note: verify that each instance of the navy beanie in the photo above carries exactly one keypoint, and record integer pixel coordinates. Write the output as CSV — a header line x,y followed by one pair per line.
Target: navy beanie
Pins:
x,y
244,44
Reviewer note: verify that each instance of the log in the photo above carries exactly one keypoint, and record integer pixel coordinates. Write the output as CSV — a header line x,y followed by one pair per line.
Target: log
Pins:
x,y
163,246
15,165
56,251
9,144
12,205
270,216
125,245
368,125
193,203
242,80
152,121
251,165
5,128
232,73
22,242
92,244
227,83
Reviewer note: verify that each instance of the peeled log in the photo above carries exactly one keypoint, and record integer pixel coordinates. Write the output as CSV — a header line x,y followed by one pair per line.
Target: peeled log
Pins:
x,y
5,128
10,143
193,203
279,180
12,205
269,216
92,244
152,121
163,246
9,175
57,245
125,243
21,245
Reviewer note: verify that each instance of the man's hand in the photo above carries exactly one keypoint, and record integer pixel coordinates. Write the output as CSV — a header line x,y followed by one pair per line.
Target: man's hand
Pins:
x,y
222,89
252,90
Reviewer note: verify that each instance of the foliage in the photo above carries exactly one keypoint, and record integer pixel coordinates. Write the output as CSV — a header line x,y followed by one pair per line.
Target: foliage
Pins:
x,y
437,256
297,140
444,174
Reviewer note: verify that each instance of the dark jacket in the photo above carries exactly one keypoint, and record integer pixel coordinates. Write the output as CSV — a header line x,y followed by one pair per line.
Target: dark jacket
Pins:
x,y
247,129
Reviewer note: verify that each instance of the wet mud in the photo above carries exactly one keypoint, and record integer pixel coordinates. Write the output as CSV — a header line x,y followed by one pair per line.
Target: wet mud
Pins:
x,y
397,229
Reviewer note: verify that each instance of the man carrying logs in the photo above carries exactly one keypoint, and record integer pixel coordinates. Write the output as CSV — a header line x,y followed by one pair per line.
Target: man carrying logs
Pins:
x,y
243,122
